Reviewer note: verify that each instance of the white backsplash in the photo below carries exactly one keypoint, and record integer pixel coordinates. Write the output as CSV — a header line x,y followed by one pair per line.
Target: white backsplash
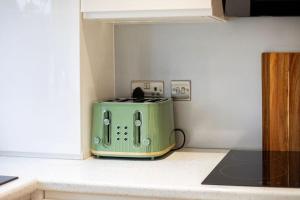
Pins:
x,y
223,61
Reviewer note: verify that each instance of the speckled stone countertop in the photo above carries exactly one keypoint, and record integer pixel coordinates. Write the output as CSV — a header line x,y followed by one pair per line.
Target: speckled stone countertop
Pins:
x,y
178,176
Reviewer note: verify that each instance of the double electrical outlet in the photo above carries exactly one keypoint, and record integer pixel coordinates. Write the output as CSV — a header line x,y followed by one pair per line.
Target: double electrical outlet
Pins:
x,y
180,89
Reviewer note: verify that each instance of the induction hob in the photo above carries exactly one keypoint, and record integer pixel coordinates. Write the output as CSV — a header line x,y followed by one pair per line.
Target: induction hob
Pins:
x,y
6,179
257,168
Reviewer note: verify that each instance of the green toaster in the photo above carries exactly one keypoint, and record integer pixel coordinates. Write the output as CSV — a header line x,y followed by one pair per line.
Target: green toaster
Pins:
x,y
137,128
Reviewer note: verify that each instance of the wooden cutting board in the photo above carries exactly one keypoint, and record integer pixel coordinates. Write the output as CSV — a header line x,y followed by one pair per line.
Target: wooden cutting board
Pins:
x,y
281,101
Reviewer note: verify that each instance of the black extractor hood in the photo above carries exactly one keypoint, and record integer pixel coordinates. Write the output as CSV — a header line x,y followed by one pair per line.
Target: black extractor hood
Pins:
x,y
254,8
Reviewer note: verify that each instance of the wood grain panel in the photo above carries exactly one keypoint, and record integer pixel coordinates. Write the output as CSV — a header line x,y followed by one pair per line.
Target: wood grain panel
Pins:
x,y
281,91
275,103
294,103
265,100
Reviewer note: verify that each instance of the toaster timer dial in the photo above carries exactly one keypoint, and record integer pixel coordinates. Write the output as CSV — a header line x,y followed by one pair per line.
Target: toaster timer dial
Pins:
x,y
146,142
97,140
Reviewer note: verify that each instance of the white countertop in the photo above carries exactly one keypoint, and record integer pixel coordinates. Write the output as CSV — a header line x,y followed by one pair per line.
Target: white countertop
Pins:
x,y
177,176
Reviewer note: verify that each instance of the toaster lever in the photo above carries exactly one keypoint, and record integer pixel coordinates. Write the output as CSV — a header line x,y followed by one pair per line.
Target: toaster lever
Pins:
x,y
107,128
137,128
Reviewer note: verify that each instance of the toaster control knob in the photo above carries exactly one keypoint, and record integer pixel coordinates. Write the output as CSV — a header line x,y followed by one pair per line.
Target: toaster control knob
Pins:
x,y
106,122
97,140
146,142
137,123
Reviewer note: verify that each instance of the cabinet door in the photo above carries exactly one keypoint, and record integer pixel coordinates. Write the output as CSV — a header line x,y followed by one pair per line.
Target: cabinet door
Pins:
x,y
40,78
153,10
142,5
281,101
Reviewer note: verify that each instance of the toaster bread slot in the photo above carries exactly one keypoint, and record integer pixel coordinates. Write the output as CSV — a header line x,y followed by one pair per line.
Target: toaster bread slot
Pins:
x,y
137,120
107,127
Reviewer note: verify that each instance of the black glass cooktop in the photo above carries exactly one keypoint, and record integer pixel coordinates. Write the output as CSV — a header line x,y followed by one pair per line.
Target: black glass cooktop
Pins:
x,y
257,168
6,179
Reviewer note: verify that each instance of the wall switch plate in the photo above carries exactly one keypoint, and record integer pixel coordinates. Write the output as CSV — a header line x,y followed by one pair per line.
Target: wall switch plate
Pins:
x,y
181,90
150,88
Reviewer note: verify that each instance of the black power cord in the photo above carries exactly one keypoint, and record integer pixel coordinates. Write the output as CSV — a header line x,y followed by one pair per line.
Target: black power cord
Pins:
x,y
183,136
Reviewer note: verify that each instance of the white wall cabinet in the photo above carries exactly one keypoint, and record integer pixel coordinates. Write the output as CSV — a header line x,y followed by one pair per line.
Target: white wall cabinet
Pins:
x,y
153,10
50,72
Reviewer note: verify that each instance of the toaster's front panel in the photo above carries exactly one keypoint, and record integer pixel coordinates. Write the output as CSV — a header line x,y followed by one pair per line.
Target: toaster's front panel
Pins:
x,y
119,130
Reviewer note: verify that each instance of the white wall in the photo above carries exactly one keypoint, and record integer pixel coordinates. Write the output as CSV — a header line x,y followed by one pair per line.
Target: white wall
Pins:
x,y
40,78
223,60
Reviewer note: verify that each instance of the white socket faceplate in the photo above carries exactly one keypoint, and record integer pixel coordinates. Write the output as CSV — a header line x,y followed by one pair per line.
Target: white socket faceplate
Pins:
x,y
150,88
181,90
